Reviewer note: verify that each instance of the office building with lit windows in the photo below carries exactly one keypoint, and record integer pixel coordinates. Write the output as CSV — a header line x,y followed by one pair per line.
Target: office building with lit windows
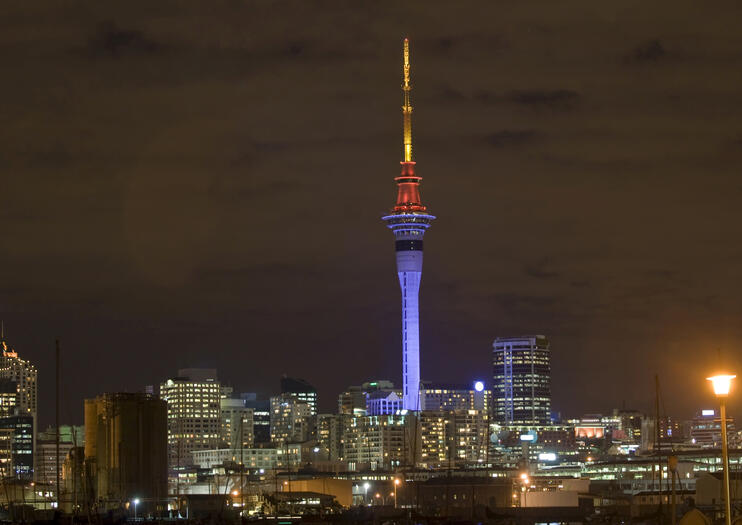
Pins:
x,y
193,414
353,400
290,419
330,429
521,387
261,416
17,447
379,442
454,397
23,374
236,424
25,377
301,390
382,403
705,429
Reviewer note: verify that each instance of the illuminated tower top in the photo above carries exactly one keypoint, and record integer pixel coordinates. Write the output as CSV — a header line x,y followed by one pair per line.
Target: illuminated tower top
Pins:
x,y
407,105
408,195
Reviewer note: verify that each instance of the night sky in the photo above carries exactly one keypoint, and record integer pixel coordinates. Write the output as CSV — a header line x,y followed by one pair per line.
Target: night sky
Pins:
x,y
201,184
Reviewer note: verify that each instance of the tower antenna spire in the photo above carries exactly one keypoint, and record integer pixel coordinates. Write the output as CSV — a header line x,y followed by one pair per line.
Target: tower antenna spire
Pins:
x,y
407,104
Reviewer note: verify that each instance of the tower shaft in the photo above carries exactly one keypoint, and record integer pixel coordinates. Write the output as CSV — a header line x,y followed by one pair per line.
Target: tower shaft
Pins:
x,y
408,221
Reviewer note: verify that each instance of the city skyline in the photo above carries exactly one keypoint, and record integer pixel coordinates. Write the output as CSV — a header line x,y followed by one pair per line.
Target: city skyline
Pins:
x,y
198,217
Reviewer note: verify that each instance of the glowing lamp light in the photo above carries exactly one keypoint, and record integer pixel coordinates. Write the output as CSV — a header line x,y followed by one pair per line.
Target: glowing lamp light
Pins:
x,y
136,501
235,493
479,386
722,384
366,485
396,481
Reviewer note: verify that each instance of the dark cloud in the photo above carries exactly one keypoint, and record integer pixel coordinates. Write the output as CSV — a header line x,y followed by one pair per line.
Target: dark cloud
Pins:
x,y
541,269
648,52
512,138
556,99
191,184
113,41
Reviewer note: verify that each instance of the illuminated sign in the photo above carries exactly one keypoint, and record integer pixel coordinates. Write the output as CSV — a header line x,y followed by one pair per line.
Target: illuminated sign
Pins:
x,y
707,412
547,456
526,437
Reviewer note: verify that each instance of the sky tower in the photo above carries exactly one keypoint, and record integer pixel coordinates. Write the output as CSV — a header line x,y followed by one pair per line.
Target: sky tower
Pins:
x,y
408,221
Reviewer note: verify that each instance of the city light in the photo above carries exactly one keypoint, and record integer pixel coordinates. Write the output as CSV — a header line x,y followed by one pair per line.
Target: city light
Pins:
x,y
722,384
479,386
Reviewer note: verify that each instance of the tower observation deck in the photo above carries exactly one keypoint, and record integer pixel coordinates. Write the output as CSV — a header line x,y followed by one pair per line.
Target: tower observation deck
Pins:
x,y
409,220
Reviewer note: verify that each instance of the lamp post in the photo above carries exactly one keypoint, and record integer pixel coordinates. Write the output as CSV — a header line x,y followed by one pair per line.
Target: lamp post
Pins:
x,y
722,384
396,484
365,492
136,502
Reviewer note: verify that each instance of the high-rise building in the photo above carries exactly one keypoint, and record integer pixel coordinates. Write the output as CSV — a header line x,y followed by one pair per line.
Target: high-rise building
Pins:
x,y
381,403
17,446
353,400
126,451
237,424
705,429
453,437
8,398
454,397
330,430
408,221
261,415
290,419
302,390
45,459
193,413
23,374
379,442
521,388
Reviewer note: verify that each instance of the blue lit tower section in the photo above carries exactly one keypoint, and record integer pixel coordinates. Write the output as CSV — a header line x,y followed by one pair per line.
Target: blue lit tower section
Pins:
x,y
408,221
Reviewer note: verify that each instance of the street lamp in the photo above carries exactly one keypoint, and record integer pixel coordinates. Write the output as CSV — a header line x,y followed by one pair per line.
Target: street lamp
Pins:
x,y
722,385
365,491
524,478
396,484
136,502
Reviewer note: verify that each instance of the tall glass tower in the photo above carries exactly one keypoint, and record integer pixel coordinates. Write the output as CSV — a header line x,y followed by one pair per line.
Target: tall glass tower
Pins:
x,y
521,387
408,221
